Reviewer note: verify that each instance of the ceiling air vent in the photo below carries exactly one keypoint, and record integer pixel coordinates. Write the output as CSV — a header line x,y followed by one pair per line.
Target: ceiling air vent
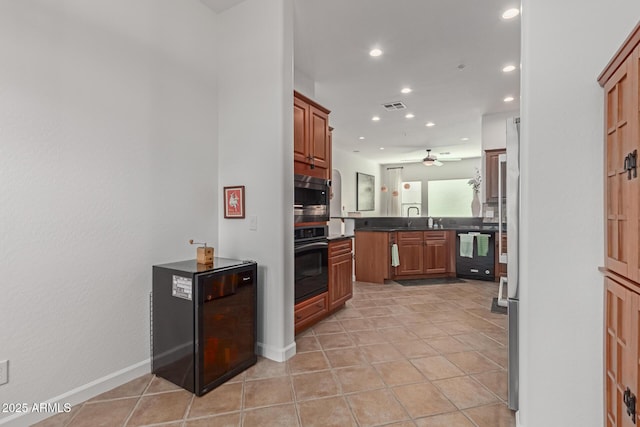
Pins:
x,y
392,106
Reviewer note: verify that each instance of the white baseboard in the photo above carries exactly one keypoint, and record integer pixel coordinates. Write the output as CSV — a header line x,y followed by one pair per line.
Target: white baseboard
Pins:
x,y
518,423
81,394
276,354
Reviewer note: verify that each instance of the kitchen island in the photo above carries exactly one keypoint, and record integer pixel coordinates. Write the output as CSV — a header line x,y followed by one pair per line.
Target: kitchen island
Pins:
x,y
422,252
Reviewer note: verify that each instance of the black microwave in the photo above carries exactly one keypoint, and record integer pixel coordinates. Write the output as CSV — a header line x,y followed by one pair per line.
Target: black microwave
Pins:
x,y
311,199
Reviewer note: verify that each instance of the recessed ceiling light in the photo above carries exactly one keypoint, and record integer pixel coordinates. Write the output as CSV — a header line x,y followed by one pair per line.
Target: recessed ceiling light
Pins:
x,y
375,118
510,13
409,116
508,99
406,90
430,124
508,68
464,139
375,52
382,148
361,137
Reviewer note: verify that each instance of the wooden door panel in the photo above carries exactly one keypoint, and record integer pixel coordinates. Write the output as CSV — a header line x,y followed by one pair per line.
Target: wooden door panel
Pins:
x,y
340,283
300,130
620,195
621,308
319,139
436,256
411,254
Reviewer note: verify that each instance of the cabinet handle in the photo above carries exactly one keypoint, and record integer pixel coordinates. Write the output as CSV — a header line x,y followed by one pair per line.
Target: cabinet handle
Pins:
x,y
630,402
319,305
631,164
298,316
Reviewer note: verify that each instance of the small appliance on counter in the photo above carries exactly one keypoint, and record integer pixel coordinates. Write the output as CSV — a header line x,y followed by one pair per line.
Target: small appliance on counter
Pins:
x,y
204,254
203,322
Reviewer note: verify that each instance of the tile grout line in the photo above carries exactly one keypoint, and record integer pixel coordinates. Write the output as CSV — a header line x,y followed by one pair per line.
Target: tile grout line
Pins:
x,y
135,407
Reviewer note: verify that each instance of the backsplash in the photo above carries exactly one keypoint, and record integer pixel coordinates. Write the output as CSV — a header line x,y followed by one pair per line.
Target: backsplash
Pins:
x,y
490,212
415,221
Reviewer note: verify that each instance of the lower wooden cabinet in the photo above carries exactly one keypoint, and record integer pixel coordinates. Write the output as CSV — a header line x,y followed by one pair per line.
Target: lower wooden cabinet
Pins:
x,y
311,311
373,256
340,287
423,252
622,306
340,273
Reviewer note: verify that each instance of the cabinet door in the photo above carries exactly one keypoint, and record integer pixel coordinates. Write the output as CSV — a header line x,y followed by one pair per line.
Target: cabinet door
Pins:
x,y
300,130
491,172
411,253
621,352
340,284
436,256
634,184
320,151
620,210
373,256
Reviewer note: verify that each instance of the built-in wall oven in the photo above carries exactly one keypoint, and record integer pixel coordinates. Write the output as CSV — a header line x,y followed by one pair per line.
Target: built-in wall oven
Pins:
x,y
311,249
311,199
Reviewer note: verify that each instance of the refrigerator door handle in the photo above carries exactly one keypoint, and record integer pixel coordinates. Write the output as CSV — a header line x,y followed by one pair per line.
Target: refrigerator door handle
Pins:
x,y
502,257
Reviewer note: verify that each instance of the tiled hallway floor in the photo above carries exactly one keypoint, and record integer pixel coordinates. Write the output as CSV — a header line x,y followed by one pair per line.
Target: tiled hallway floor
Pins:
x,y
426,356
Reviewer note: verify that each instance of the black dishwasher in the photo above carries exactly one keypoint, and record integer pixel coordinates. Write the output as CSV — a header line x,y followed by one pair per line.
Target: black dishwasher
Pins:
x,y
203,322
477,266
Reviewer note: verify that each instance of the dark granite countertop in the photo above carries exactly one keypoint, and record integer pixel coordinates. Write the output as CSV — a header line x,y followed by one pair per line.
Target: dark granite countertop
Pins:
x,y
490,228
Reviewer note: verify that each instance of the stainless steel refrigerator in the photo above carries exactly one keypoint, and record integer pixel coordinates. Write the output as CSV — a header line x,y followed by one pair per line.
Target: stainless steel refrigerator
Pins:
x,y
509,172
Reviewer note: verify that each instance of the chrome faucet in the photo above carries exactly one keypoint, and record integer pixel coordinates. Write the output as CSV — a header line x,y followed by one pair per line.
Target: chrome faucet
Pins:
x,y
413,207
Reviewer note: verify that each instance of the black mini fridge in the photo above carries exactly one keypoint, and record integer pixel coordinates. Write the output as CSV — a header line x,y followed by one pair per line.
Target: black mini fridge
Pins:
x,y
203,322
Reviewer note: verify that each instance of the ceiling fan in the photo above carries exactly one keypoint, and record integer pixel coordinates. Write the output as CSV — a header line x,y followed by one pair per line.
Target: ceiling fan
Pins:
x,y
431,160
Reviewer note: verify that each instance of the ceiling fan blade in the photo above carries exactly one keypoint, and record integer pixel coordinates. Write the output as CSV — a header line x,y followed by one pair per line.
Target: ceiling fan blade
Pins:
x,y
437,163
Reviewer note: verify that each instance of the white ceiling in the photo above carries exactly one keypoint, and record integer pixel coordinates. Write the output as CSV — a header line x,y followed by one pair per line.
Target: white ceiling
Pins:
x,y
424,42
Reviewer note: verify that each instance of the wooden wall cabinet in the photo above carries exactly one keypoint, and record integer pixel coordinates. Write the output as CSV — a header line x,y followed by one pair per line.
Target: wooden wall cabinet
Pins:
x,y
491,175
311,138
621,83
340,273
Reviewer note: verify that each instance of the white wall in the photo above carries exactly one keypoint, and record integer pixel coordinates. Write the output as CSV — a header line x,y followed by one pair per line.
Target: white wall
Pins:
x,y
304,84
348,164
107,163
256,150
449,170
494,130
565,45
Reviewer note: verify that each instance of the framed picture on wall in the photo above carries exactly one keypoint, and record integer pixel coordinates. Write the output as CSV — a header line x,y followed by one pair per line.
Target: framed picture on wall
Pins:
x,y
234,202
365,184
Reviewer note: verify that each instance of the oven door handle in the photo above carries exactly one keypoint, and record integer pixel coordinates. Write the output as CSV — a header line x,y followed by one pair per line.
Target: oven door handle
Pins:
x,y
310,246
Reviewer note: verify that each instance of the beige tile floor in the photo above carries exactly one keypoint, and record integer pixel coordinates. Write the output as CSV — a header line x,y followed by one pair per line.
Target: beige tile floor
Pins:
x,y
425,356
